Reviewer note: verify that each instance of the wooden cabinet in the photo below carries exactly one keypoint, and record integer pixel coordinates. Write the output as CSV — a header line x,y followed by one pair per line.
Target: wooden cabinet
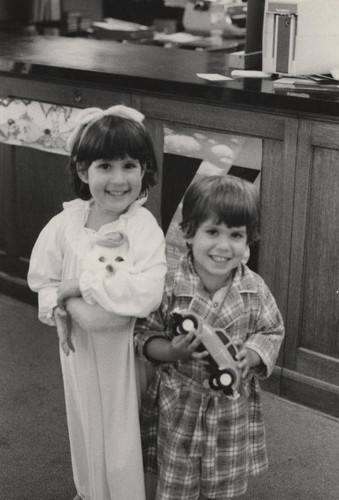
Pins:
x,y
298,250
311,365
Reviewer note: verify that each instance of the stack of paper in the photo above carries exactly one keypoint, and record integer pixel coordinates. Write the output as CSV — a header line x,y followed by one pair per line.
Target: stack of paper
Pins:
x,y
120,30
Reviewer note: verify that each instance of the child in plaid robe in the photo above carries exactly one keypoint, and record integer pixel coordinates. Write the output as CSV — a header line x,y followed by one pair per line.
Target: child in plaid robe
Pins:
x,y
199,442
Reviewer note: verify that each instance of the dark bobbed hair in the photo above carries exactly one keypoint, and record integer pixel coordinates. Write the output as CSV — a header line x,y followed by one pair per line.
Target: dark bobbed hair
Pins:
x,y
112,137
224,199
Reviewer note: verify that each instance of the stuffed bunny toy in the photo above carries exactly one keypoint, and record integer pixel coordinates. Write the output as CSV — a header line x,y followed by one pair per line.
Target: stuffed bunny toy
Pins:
x,y
106,255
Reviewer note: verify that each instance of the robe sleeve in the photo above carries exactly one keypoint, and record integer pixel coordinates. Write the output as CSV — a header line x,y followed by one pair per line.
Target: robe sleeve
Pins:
x,y
269,333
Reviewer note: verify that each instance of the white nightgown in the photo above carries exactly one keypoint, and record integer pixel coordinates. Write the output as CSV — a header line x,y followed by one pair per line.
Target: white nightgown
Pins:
x,y
102,379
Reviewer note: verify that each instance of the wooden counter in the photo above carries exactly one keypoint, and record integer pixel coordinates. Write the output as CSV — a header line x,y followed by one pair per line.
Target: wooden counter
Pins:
x,y
150,70
298,253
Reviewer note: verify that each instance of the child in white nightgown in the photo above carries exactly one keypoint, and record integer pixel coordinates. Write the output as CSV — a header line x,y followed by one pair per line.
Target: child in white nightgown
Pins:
x,y
112,165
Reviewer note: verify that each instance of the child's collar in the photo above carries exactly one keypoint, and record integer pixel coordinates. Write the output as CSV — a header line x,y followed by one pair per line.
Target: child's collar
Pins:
x,y
187,280
141,200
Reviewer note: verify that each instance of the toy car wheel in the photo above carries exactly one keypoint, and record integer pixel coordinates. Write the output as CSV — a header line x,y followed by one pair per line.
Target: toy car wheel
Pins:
x,y
187,324
225,378
214,383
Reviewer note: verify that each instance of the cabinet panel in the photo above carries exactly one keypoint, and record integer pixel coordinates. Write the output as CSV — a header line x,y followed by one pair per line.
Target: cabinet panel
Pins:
x,y
168,109
33,186
7,200
297,255
42,185
320,305
311,360
277,194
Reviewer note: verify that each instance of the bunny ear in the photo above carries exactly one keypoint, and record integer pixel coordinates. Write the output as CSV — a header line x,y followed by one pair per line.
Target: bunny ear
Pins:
x,y
89,115
125,112
84,117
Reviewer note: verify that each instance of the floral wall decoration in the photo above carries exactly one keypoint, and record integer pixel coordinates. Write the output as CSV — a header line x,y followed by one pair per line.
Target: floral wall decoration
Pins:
x,y
36,124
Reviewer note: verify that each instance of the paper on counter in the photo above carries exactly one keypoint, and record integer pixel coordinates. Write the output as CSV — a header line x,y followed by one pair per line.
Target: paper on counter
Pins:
x,y
246,73
180,37
119,25
213,77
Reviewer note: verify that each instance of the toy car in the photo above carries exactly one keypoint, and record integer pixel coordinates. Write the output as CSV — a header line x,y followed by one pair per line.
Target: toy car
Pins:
x,y
225,374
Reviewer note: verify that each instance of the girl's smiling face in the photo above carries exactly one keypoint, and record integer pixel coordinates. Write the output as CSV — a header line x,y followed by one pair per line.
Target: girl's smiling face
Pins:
x,y
217,251
114,185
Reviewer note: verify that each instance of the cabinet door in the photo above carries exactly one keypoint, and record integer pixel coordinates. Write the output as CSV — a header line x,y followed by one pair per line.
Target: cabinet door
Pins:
x,y
312,339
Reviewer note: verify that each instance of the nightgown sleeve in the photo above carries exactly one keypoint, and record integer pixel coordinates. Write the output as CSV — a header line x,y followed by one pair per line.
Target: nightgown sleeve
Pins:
x,y
136,291
45,269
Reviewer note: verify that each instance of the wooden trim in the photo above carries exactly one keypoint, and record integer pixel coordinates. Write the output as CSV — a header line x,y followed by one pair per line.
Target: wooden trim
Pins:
x,y
272,384
156,130
287,186
310,392
215,117
317,365
17,288
325,135
197,114
63,94
277,196
299,224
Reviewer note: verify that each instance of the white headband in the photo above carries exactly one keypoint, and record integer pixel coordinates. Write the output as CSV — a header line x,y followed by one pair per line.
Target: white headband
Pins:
x,y
89,115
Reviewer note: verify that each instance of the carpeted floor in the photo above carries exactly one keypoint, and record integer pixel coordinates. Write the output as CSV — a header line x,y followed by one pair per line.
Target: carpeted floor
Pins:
x,y
34,460
35,464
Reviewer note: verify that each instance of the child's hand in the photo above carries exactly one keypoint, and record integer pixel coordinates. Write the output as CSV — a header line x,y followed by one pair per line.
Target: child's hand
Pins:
x,y
67,289
62,326
247,359
183,347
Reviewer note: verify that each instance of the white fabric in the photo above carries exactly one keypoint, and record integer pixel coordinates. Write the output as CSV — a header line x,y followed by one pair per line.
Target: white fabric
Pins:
x,y
89,115
100,379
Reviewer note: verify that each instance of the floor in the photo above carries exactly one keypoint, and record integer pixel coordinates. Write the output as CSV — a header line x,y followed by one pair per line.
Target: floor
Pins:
x,y
303,444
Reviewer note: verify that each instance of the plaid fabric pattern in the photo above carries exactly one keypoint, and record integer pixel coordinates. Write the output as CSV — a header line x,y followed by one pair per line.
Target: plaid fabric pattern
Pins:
x,y
197,440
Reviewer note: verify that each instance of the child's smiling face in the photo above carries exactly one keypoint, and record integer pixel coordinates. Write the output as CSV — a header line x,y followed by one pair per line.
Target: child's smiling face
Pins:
x,y
217,251
114,184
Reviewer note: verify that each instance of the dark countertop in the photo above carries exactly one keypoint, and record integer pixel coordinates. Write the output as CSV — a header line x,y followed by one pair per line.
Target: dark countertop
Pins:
x,y
166,72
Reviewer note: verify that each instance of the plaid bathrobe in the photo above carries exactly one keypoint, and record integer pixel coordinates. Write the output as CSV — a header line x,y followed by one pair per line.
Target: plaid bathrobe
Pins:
x,y
197,440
